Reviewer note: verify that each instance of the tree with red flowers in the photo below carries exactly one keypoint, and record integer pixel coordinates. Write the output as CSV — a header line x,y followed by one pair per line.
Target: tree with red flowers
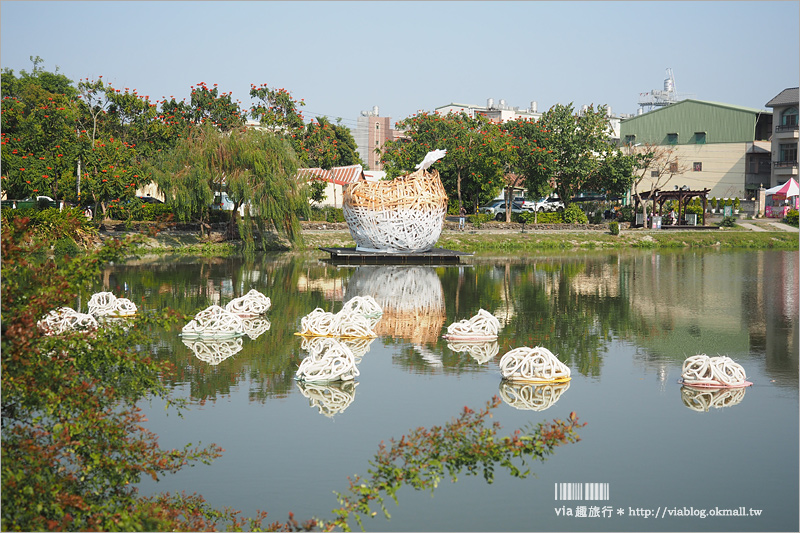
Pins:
x,y
477,153
38,135
573,153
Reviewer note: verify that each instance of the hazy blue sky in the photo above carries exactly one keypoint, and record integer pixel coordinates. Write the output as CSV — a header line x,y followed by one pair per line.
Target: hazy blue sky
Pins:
x,y
345,57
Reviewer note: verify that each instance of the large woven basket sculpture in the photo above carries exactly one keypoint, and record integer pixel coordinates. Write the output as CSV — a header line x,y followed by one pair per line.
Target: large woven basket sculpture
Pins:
x,y
402,215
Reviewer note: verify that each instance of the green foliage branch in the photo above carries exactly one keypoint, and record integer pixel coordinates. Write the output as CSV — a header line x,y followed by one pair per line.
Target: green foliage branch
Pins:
x,y
424,457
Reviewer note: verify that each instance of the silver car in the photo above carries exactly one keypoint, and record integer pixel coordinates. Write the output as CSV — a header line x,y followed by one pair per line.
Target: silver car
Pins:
x,y
549,204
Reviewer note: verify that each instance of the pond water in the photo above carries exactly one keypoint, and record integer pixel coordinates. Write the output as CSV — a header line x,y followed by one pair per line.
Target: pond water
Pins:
x,y
622,322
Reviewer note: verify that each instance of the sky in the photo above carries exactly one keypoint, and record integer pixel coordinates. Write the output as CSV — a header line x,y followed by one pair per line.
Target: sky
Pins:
x,y
343,58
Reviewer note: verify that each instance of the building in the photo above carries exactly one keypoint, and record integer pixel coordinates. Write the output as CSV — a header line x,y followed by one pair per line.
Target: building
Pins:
x,y
372,132
721,146
784,137
500,112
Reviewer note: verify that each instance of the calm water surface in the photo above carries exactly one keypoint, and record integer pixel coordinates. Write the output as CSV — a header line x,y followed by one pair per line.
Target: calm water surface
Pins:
x,y
623,323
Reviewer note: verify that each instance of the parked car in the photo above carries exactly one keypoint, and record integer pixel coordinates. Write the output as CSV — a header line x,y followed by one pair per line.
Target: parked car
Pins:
x,y
491,207
500,212
548,204
149,200
38,202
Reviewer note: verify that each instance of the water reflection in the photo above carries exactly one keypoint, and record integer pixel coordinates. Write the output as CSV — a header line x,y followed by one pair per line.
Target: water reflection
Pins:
x,y
214,351
411,298
530,396
254,327
482,352
316,345
669,305
703,399
329,398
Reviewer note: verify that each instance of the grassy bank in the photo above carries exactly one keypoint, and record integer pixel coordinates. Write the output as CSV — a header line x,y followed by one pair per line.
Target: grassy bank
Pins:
x,y
498,241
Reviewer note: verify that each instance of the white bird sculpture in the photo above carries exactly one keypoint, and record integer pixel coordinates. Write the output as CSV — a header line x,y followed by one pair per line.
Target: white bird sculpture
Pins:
x,y
431,158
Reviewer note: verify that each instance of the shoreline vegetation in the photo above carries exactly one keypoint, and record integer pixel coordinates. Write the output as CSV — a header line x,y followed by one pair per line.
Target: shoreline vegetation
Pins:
x,y
489,239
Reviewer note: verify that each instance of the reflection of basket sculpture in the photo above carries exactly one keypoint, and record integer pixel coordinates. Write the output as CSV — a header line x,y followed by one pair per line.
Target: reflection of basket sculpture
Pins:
x,y
105,304
333,362
213,322
480,351
411,298
251,304
482,327
704,371
532,397
702,399
402,215
66,319
330,398
534,365
214,351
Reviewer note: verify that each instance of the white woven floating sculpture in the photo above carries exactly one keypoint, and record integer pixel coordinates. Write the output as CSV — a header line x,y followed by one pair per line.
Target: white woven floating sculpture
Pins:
x,y
214,351
480,351
214,322
64,319
703,399
411,298
402,215
482,327
105,304
254,327
334,362
251,304
325,324
704,371
329,398
531,397
534,365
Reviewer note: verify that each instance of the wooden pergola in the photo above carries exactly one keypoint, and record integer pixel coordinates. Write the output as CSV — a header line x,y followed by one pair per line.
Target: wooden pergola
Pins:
x,y
683,197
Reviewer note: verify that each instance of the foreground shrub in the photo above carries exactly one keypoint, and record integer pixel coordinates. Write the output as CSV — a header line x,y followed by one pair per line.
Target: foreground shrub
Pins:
x,y
791,217
613,227
574,215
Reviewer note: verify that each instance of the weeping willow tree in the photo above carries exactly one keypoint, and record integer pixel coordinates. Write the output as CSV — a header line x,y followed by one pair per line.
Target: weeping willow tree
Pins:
x,y
256,169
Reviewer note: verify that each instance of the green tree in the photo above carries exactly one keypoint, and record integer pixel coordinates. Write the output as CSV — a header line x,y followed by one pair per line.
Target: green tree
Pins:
x,y
473,168
39,143
576,154
73,447
255,168
276,109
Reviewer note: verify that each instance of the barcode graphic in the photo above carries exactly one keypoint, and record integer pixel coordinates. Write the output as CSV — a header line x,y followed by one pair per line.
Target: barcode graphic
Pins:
x,y
581,491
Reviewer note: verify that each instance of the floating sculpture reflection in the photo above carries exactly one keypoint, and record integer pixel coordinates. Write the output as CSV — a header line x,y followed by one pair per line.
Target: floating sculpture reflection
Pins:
x,y
329,398
255,326
480,351
401,215
530,396
251,304
483,326
214,322
364,305
64,319
333,362
704,371
214,351
411,298
105,304
359,347
534,365
703,399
